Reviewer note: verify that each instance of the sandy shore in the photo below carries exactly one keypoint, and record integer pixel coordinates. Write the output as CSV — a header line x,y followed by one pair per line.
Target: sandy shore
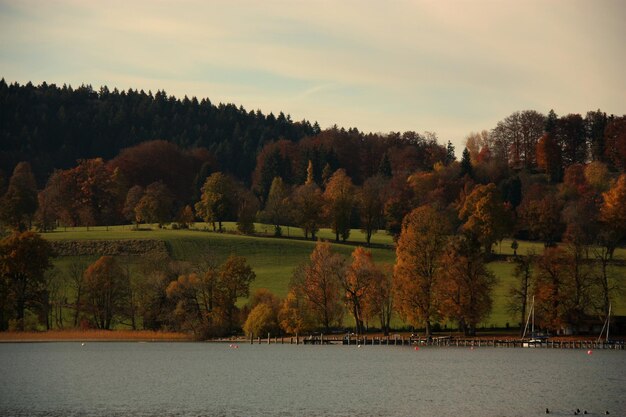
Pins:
x,y
94,335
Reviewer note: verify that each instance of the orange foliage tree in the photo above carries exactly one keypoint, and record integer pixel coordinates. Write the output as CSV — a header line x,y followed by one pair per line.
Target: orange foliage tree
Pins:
x,y
486,217
339,200
294,315
417,270
206,301
379,297
24,257
263,316
307,203
107,288
358,282
318,283
466,285
551,288
549,157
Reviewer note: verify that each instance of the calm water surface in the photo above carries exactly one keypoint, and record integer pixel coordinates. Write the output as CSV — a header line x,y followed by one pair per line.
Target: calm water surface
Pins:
x,y
201,379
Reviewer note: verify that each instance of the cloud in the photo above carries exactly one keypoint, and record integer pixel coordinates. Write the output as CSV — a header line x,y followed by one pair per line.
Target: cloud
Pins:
x,y
448,66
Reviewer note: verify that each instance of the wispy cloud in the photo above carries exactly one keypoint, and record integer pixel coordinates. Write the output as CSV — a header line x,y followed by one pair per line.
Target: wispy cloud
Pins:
x,y
447,66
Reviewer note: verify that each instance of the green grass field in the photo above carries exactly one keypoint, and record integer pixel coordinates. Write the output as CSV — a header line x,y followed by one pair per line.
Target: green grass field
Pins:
x,y
274,259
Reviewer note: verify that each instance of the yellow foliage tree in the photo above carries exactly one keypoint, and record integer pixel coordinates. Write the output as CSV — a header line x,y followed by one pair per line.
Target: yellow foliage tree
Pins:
x,y
422,240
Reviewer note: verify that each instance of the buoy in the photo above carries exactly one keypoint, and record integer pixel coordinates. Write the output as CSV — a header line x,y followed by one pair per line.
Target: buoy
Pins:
x,y
589,352
359,346
82,344
230,346
236,347
417,348
472,348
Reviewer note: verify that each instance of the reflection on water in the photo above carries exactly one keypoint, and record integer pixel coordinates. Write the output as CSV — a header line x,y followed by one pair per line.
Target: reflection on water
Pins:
x,y
193,379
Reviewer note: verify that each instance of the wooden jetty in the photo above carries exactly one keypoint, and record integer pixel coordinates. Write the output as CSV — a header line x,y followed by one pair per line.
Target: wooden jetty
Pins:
x,y
443,341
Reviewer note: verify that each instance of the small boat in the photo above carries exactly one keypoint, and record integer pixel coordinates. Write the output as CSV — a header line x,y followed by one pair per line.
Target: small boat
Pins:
x,y
606,326
535,339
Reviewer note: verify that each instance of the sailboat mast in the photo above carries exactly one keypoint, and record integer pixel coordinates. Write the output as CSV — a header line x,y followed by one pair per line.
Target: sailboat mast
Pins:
x,y
531,313
608,323
532,310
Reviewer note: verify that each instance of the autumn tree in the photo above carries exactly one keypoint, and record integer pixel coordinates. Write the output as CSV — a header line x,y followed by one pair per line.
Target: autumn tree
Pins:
x,y
156,204
513,141
218,200
235,277
247,209
318,283
307,204
155,273
551,289
598,176
417,270
357,282
379,297
106,291
276,210
294,315
540,215
486,217
263,316
549,157
19,203
466,285
339,202
371,200
186,217
206,298
159,160
24,258
613,214
133,196
89,194
198,308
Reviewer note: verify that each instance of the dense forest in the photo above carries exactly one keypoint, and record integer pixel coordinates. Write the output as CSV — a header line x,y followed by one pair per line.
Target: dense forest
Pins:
x,y
77,157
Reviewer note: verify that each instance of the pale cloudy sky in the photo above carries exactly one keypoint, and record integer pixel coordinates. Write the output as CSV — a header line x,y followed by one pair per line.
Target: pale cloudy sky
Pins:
x,y
446,66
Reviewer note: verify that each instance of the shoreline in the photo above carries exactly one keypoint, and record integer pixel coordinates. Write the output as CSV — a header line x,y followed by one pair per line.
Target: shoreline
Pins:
x,y
160,336
93,336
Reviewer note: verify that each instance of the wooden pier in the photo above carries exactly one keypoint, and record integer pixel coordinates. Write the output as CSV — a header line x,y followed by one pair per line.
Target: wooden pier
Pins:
x,y
445,341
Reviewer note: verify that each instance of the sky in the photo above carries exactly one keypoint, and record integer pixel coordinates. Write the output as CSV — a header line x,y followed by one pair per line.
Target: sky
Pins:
x,y
450,67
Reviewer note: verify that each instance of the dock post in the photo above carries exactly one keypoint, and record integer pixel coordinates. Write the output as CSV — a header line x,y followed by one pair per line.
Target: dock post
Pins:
x,y
251,339
268,338
296,338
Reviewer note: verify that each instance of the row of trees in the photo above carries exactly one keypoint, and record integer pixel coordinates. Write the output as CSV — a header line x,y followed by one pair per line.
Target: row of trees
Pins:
x,y
158,294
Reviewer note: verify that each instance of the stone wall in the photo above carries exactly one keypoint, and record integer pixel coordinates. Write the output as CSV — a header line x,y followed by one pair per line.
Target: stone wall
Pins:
x,y
108,247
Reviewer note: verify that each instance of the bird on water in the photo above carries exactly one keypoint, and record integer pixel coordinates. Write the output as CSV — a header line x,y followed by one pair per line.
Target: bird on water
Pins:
x,y
547,411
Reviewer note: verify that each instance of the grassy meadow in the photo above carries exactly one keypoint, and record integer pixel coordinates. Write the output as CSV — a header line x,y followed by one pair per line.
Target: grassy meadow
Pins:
x,y
274,259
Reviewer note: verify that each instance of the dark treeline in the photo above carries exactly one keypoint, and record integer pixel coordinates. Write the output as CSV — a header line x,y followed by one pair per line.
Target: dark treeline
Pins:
x,y
53,127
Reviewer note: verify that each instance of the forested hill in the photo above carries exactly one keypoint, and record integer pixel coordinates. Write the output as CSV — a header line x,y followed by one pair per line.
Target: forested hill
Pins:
x,y
52,127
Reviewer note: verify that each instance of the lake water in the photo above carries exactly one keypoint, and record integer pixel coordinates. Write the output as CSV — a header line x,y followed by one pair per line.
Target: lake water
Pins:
x,y
204,379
